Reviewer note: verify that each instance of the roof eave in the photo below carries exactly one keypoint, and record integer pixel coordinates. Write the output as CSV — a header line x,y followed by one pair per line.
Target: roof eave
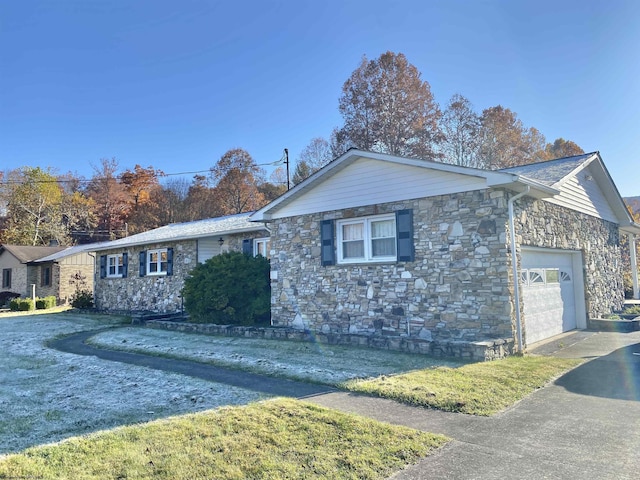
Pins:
x,y
519,184
632,228
179,239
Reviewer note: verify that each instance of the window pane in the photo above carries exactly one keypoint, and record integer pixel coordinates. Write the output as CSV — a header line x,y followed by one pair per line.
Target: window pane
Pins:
x,y
353,249
552,275
383,247
153,262
352,232
383,229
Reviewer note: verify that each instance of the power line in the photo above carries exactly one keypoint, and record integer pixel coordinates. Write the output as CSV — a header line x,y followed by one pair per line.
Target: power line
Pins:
x,y
280,161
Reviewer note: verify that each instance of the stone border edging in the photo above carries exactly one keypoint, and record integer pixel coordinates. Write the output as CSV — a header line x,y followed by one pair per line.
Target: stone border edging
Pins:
x,y
472,351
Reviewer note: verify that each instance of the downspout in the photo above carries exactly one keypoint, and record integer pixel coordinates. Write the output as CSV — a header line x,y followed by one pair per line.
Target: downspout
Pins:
x,y
634,265
514,266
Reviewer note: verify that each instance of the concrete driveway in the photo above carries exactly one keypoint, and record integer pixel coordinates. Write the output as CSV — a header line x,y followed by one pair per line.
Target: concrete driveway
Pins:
x,y
585,425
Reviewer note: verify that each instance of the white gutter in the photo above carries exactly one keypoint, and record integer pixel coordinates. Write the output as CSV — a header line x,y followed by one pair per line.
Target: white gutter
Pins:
x,y
514,265
634,265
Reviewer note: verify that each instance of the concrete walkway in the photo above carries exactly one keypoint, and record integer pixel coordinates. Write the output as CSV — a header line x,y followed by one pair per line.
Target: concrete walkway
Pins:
x,y
584,425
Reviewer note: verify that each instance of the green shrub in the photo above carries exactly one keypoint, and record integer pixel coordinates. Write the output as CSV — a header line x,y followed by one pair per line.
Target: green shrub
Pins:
x,y
46,302
82,299
232,288
21,304
83,296
631,310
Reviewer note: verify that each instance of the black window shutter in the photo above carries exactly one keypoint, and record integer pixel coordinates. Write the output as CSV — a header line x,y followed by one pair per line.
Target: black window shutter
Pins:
x,y
142,268
169,261
404,232
328,255
103,266
247,246
125,265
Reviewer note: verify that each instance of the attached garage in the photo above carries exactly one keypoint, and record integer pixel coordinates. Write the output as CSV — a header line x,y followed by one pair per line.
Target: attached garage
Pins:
x,y
552,292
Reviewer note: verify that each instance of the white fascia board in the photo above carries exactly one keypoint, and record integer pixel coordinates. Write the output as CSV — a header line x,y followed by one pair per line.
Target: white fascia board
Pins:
x,y
611,193
633,228
519,183
265,213
578,169
179,239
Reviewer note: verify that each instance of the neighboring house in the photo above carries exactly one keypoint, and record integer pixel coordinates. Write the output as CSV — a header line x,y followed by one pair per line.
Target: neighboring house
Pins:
x,y
378,245
61,273
47,269
146,272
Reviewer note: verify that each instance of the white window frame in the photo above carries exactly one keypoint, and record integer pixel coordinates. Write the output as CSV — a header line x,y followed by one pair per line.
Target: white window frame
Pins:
x,y
367,237
261,246
158,262
119,265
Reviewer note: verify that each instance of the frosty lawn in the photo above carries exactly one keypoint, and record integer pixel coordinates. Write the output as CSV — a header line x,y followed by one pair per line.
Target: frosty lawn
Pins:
x,y
312,362
46,395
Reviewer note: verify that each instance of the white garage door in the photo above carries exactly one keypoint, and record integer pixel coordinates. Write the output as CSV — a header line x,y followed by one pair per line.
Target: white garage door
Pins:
x,y
549,292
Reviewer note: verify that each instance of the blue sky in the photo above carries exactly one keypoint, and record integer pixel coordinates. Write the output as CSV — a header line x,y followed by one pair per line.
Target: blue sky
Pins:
x,y
175,84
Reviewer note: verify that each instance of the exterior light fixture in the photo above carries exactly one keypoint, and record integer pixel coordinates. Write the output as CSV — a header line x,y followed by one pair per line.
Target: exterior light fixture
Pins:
x,y
221,241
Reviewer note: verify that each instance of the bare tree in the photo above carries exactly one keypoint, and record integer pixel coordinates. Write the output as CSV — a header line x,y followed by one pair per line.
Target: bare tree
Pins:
x,y
461,128
314,156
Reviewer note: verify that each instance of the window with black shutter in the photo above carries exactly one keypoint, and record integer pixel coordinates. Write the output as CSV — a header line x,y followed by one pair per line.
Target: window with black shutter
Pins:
x,y
327,238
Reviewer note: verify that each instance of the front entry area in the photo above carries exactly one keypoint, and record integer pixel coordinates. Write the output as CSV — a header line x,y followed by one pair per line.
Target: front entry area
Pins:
x,y
552,292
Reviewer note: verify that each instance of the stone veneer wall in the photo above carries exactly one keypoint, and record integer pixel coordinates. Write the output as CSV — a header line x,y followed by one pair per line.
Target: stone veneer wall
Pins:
x,y
457,289
156,293
543,224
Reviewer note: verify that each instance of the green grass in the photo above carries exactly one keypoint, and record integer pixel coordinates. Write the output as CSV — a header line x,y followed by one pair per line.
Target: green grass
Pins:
x,y
270,440
477,389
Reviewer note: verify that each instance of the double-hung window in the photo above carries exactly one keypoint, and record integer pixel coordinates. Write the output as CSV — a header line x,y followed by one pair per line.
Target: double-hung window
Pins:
x,y
157,262
261,247
368,239
115,265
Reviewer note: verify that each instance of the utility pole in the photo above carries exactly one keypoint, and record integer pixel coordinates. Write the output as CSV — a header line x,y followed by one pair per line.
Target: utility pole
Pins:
x,y
286,161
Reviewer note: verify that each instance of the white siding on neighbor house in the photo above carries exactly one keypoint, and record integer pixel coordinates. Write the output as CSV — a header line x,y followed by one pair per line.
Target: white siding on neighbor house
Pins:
x,y
369,182
583,194
207,248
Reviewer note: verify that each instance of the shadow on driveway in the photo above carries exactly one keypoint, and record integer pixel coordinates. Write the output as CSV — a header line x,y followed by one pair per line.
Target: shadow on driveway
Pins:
x,y
616,375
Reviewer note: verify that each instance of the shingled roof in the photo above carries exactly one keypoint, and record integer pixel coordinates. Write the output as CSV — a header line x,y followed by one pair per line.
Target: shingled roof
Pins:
x,y
551,172
28,254
189,230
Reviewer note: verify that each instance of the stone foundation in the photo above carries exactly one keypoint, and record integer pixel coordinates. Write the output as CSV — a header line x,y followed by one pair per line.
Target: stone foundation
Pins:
x,y
471,351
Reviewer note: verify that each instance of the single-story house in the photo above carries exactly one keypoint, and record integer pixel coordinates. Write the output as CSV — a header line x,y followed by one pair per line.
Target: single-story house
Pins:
x,y
146,271
66,270
380,245
46,270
